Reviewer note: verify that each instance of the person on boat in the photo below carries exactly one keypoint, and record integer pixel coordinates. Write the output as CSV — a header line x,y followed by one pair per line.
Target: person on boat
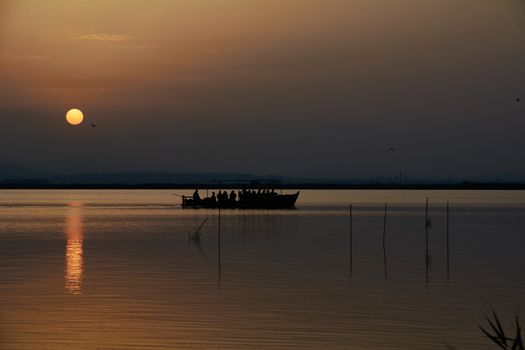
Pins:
x,y
196,196
233,197
222,198
213,198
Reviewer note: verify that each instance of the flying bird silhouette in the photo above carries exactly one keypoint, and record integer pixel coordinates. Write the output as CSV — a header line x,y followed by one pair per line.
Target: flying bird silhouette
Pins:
x,y
518,100
391,149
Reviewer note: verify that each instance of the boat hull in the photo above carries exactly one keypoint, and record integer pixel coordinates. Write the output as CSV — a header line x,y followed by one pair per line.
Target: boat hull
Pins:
x,y
281,201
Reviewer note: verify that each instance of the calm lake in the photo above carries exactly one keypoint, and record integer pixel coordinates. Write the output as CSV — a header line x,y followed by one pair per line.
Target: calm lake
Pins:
x,y
115,270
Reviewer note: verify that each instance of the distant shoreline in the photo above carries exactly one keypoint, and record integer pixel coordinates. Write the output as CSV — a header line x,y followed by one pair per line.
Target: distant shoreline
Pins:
x,y
290,186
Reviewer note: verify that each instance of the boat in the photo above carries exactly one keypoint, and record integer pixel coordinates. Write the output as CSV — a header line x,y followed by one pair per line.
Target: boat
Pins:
x,y
263,198
269,200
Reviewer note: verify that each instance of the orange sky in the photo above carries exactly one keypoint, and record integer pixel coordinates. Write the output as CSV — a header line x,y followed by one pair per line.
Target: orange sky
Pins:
x,y
230,64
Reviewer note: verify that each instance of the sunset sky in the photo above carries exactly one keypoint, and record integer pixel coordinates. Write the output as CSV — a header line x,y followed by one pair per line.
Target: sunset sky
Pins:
x,y
289,87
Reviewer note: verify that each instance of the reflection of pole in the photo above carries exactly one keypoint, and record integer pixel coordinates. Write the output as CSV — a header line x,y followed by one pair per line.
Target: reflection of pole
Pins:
x,y
219,240
351,239
384,243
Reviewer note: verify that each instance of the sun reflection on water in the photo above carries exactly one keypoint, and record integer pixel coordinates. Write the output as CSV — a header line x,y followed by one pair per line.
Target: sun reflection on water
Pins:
x,y
74,260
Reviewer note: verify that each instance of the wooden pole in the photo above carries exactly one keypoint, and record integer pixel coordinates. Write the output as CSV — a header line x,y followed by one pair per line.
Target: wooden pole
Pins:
x,y
219,239
426,213
384,241
384,225
426,240
426,227
351,239
448,240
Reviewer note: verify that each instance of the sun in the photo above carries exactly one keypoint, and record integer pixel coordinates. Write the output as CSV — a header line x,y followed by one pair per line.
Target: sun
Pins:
x,y
74,116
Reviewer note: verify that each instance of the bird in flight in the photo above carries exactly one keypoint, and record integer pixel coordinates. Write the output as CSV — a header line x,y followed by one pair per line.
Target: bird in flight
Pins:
x,y
93,125
390,149
518,100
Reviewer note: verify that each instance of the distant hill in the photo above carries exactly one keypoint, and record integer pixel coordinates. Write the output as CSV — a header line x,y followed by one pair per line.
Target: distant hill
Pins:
x,y
12,174
12,171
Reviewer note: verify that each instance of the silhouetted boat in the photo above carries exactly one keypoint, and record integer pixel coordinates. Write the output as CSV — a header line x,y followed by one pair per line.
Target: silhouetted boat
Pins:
x,y
266,201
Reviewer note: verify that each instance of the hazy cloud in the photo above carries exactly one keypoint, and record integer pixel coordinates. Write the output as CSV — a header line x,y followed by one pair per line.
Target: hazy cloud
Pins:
x,y
16,57
104,37
138,47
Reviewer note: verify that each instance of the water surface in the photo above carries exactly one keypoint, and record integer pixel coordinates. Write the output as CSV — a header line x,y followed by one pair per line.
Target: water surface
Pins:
x,y
115,270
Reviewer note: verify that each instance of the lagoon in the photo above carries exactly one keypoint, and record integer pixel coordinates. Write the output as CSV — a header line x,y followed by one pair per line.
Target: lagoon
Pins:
x,y
113,269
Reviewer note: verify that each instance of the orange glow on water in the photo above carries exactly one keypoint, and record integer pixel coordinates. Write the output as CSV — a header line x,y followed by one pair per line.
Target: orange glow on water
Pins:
x,y
74,260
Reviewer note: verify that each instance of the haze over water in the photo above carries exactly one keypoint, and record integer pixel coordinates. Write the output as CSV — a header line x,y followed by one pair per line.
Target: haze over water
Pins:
x,y
114,270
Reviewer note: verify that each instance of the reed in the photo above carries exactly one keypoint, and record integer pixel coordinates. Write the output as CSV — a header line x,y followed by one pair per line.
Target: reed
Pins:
x,y
497,334
196,236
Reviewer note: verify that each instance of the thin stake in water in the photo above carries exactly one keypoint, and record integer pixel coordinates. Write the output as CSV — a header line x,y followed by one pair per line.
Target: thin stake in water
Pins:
x,y
384,241
351,239
427,226
219,240
448,240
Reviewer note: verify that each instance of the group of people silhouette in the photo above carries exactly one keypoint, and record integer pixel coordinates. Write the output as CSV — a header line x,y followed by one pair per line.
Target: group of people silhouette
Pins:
x,y
223,199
